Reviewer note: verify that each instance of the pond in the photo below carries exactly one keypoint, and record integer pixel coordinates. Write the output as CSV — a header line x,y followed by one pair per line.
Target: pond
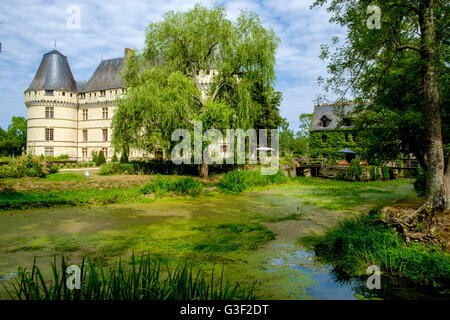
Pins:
x,y
281,268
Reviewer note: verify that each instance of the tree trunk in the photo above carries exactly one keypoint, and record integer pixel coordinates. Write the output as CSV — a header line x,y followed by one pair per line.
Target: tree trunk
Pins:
x,y
437,195
204,170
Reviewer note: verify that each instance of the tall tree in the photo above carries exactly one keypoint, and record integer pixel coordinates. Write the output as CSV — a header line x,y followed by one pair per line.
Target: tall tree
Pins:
x,y
164,82
14,140
305,122
370,51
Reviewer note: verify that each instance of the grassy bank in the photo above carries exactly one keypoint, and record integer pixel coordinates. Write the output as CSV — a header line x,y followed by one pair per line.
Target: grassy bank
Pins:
x,y
356,243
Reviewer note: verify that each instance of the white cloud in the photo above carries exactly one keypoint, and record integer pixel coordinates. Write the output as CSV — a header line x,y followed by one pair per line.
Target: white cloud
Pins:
x,y
30,28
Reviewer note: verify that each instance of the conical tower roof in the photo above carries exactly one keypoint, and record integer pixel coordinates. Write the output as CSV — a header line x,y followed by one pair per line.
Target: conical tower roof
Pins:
x,y
54,74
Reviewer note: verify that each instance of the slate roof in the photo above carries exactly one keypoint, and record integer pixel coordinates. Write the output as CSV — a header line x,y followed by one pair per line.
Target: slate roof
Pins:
x,y
80,85
106,76
53,74
332,112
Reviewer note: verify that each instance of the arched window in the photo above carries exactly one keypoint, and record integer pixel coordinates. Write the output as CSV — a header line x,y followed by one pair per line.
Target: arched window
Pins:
x,y
324,138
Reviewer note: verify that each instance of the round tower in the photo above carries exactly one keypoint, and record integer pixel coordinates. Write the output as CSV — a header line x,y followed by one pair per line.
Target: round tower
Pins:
x,y
51,101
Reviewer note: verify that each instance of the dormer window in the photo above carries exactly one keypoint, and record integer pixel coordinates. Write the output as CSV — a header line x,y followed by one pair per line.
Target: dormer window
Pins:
x,y
48,92
325,122
103,93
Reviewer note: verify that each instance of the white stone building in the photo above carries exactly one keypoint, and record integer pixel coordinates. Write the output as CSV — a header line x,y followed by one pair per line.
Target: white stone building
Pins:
x,y
74,117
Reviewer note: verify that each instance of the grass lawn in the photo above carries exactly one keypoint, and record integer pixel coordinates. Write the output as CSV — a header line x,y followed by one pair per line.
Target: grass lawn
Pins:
x,y
214,228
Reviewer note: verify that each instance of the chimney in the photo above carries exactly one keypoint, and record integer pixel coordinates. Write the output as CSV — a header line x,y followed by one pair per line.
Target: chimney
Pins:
x,y
126,53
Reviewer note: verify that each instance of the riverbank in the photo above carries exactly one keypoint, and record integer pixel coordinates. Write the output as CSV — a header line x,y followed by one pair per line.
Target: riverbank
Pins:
x,y
364,240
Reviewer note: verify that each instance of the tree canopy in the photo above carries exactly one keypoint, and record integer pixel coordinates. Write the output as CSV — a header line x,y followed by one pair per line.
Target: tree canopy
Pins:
x,y
14,140
394,61
165,86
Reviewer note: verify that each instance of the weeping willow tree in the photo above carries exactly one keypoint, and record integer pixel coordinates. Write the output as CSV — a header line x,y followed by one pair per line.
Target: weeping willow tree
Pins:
x,y
165,81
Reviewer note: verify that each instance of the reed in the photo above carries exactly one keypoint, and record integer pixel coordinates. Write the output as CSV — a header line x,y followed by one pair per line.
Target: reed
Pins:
x,y
146,278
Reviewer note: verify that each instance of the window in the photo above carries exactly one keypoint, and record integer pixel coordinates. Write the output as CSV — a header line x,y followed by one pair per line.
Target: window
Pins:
x,y
346,137
102,93
105,113
49,134
85,135
63,94
82,95
71,95
48,92
49,112
208,72
48,151
105,152
84,153
325,122
347,122
324,138
354,136
85,114
105,134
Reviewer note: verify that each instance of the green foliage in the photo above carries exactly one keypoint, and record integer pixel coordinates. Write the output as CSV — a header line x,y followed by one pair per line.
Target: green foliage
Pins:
x,y
385,173
335,142
354,171
116,168
14,140
384,72
114,158
25,166
144,279
421,182
305,123
124,156
239,181
375,172
357,243
100,159
94,157
232,237
164,186
292,144
162,97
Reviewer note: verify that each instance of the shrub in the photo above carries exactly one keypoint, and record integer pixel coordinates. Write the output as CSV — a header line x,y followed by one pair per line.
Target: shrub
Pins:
x,y
94,157
114,158
385,173
375,172
116,168
23,167
238,181
124,156
163,186
100,159
354,171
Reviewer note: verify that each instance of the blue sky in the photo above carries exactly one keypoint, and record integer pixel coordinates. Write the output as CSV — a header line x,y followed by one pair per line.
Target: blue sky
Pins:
x,y
29,28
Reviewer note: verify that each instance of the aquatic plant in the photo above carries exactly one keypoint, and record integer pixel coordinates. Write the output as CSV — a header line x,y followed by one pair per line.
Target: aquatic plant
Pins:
x,y
144,279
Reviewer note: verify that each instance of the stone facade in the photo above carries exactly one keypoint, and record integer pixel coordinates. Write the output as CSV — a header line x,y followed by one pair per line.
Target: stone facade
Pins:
x,y
68,117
